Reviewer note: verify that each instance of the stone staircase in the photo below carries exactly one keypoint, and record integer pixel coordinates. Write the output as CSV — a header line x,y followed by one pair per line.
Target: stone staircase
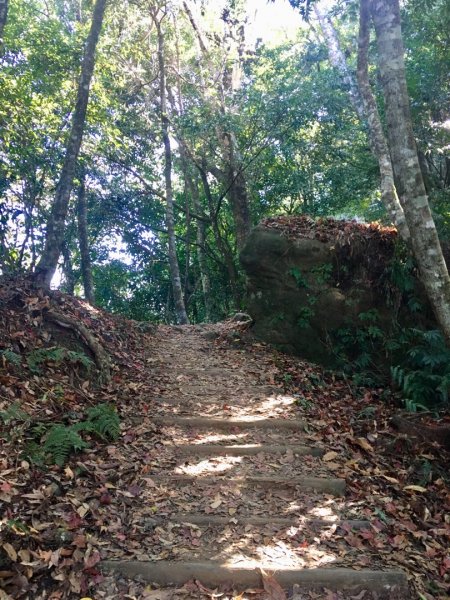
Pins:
x,y
248,491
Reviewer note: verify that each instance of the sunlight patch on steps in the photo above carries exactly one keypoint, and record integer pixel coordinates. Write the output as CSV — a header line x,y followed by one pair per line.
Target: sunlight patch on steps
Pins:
x,y
273,405
277,554
220,464
214,438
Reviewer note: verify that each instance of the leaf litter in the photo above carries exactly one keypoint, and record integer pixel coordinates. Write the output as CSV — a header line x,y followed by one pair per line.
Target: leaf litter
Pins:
x,y
59,522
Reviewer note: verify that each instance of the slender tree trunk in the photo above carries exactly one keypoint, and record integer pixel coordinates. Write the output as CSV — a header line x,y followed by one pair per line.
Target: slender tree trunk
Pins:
x,y
237,188
3,19
56,222
376,134
180,309
85,259
338,60
363,102
232,176
201,241
222,244
68,269
405,162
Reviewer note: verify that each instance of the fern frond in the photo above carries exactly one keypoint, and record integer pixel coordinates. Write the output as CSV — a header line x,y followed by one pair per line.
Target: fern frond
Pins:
x,y
60,442
11,357
104,421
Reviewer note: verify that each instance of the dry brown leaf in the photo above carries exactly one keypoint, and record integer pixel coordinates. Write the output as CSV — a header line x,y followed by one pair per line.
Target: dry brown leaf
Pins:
x,y
414,488
271,586
9,549
330,456
363,443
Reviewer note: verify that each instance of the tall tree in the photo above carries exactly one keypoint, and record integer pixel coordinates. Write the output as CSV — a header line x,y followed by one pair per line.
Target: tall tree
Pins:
x,y
227,81
364,103
408,176
3,18
158,14
85,259
56,222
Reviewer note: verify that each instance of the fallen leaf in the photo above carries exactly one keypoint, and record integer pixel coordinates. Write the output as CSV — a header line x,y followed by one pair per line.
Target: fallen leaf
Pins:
x,y
330,456
364,444
414,488
9,549
272,588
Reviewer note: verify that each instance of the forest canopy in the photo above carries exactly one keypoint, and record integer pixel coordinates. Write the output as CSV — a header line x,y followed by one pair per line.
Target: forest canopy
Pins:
x,y
202,119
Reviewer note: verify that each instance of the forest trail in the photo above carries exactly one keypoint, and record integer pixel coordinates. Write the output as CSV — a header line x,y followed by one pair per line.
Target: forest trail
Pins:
x,y
242,484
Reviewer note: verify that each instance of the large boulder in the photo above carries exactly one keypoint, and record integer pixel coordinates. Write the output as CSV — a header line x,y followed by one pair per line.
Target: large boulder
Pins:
x,y
307,280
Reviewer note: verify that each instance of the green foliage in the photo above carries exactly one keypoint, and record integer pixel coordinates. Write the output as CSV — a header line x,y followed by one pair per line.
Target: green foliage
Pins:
x,y
103,421
60,442
299,278
11,357
14,413
56,355
323,273
55,443
357,349
424,375
305,314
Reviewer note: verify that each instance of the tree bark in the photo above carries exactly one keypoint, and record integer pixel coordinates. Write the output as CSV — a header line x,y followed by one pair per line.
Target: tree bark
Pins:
x,y
69,276
232,176
339,62
237,188
3,19
408,177
56,223
378,141
201,241
85,259
363,102
180,309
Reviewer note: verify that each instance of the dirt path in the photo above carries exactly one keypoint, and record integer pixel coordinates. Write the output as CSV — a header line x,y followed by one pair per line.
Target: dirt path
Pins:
x,y
240,483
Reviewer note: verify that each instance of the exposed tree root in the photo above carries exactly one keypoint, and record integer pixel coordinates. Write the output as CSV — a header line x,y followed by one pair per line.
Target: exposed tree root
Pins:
x,y
440,435
100,356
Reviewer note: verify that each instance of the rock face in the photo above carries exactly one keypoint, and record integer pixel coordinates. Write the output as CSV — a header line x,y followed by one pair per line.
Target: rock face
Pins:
x,y
308,279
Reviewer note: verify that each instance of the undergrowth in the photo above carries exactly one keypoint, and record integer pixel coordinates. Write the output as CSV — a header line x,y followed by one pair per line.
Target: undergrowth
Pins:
x,y
54,443
417,362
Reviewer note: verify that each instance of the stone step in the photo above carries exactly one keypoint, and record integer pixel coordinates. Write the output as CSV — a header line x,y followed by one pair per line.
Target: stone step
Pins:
x,y
245,450
389,584
318,484
214,423
218,521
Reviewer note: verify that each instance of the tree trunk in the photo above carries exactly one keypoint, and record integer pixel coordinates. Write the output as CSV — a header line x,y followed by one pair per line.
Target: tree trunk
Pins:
x,y
56,223
85,259
232,176
339,62
237,188
3,18
376,134
222,244
201,241
363,102
405,162
180,309
69,277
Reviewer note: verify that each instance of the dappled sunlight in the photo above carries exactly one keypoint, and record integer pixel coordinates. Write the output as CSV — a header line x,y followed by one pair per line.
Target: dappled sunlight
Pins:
x,y
287,548
218,465
232,438
274,405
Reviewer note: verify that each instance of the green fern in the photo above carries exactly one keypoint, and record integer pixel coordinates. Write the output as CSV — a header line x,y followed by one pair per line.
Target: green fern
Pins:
x,y
57,355
14,413
11,357
104,421
60,442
